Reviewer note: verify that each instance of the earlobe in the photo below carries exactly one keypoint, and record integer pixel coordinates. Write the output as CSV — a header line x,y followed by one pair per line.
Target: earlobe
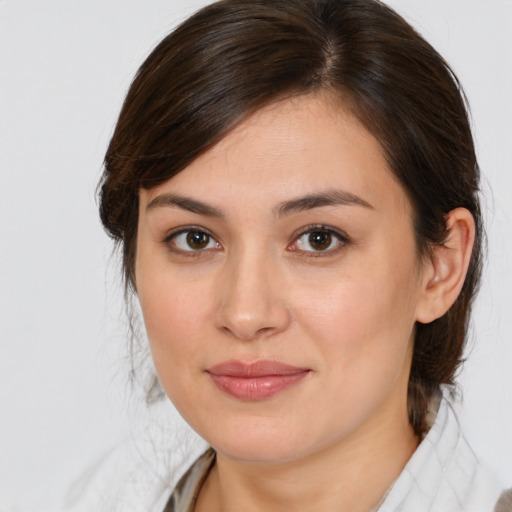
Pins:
x,y
446,272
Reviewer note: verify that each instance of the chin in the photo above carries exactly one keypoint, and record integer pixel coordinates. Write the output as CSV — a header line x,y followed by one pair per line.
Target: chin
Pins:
x,y
259,451
256,441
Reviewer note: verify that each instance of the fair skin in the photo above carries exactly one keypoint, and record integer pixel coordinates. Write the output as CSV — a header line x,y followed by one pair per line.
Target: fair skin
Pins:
x,y
290,241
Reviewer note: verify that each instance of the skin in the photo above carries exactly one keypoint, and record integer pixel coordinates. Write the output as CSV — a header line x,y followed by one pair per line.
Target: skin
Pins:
x,y
259,290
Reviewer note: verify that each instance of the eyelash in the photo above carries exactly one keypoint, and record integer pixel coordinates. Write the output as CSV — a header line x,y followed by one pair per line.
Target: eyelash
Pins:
x,y
335,235
171,237
341,238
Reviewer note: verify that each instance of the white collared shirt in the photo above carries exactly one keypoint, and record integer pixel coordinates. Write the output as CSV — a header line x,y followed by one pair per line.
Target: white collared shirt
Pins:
x,y
443,474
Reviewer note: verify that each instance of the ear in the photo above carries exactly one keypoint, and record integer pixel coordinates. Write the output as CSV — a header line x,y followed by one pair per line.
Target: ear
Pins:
x,y
445,272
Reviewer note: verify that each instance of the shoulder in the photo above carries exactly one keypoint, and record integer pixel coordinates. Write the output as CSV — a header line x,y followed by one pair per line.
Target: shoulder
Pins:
x,y
139,474
119,480
445,474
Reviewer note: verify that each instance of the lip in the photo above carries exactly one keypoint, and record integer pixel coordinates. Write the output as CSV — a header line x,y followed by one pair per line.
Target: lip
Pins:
x,y
255,381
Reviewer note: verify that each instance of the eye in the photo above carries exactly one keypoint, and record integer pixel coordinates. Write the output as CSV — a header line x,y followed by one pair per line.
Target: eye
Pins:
x,y
192,240
319,239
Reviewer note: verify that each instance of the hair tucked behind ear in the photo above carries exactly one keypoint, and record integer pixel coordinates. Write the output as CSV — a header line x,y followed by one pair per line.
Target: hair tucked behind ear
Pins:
x,y
236,56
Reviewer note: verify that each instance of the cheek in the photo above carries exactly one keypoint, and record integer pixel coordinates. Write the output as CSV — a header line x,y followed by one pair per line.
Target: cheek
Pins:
x,y
169,312
362,334
175,323
364,313
175,314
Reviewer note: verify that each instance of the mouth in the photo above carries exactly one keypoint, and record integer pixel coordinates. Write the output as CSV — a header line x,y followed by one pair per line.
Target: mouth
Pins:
x,y
255,381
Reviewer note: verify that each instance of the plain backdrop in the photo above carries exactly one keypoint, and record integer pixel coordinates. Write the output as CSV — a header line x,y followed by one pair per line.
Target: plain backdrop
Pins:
x,y
64,70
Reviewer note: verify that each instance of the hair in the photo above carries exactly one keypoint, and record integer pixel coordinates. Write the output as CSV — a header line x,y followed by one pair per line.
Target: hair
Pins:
x,y
233,57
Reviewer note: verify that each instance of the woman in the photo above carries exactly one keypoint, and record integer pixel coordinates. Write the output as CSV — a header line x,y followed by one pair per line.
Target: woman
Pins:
x,y
295,190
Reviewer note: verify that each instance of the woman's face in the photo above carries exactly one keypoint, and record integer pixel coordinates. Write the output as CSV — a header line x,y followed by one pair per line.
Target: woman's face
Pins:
x,y
280,283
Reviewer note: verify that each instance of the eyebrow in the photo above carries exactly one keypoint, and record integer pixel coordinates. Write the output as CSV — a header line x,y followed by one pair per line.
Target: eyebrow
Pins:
x,y
303,203
186,203
327,198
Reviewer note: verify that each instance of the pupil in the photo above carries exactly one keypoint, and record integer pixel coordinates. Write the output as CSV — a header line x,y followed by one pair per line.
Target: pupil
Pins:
x,y
320,240
197,239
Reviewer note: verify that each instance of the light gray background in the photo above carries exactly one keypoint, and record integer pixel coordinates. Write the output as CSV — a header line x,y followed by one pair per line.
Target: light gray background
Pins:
x,y
64,69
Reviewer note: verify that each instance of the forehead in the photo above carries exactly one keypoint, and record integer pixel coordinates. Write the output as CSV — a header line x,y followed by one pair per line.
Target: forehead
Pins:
x,y
301,144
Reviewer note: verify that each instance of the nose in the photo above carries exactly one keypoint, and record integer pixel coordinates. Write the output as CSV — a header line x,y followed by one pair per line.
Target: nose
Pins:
x,y
252,302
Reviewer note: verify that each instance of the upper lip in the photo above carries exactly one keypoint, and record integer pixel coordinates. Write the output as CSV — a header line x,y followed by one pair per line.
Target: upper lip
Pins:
x,y
256,369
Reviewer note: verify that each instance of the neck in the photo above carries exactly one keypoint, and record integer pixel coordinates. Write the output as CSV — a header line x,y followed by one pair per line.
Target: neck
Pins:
x,y
352,476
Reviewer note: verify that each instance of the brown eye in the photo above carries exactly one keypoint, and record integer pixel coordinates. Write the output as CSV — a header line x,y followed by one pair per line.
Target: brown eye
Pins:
x,y
197,240
192,240
320,240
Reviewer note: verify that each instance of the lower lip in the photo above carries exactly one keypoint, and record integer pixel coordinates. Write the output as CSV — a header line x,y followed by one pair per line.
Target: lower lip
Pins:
x,y
256,388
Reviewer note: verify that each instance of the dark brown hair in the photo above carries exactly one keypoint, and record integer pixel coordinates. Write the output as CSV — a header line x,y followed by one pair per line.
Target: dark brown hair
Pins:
x,y
235,56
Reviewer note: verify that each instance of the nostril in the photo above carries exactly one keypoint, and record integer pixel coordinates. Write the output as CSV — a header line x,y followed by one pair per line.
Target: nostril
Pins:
x,y
252,325
250,304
